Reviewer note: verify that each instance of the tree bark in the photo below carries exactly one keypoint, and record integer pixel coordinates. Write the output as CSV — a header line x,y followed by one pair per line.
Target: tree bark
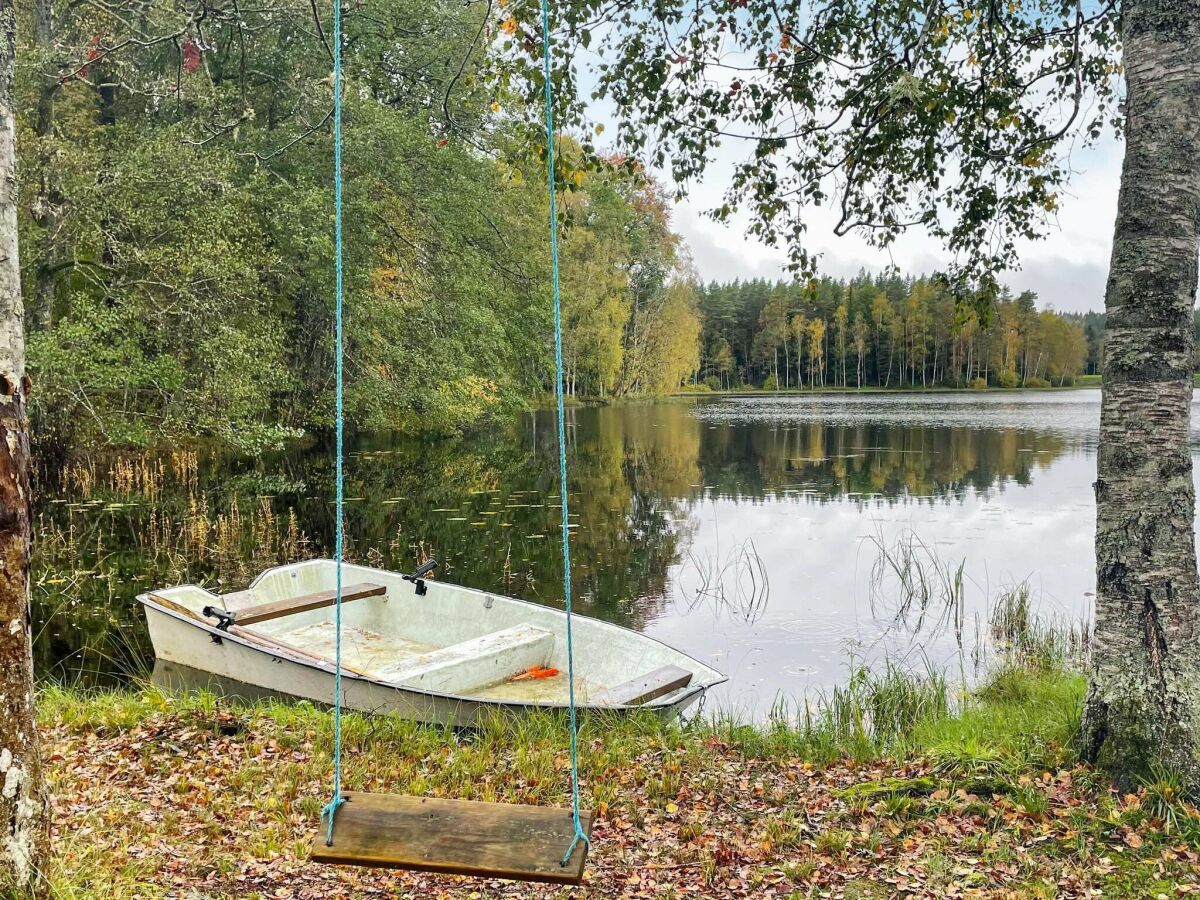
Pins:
x,y
24,833
47,205
1143,703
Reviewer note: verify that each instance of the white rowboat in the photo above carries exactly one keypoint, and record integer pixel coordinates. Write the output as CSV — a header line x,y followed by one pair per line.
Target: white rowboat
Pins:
x,y
425,650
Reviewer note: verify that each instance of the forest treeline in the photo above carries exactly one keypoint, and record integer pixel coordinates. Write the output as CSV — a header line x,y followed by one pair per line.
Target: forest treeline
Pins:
x,y
175,178
887,331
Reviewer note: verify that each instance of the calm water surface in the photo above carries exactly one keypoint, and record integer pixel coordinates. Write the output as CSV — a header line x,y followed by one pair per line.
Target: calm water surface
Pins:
x,y
745,531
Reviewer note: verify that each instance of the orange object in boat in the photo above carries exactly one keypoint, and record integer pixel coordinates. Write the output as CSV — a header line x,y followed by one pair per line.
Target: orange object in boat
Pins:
x,y
535,672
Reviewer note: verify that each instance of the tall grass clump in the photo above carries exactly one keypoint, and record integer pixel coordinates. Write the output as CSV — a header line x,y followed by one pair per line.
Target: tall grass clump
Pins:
x,y
878,710
874,714
912,585
1027,640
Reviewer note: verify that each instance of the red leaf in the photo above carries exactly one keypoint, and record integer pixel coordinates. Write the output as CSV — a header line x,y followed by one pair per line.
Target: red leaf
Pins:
x,y
191,55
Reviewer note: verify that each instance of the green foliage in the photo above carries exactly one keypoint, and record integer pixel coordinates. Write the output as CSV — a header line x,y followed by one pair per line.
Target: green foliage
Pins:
x,y
176,177
630,322
952,118
167,325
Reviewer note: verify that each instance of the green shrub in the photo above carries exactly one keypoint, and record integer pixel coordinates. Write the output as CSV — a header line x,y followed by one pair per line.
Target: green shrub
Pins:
x,y
978,384
771,383
1036,381
1008,379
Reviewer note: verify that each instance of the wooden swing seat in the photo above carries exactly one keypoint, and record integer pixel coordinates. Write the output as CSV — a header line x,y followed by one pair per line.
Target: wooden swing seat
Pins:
x,y
455,837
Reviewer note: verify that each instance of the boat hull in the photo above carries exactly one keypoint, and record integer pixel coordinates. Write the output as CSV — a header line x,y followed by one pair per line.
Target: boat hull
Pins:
x,y
193,653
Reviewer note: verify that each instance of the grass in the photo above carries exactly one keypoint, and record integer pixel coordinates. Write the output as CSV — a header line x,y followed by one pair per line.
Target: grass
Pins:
x,y
1020,719
894,777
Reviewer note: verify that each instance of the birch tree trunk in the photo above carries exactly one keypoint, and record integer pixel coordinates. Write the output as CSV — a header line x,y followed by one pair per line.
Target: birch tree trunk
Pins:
x,y
1144,697
23,812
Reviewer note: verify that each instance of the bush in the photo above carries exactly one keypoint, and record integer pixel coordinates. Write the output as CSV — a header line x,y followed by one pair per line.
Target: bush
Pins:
x,y
978,384
1037,381
702,388
1008,379
771,383
713,383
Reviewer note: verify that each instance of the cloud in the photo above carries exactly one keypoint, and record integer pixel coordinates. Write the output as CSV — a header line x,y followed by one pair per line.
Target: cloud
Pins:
x,y
1066,269
1066,285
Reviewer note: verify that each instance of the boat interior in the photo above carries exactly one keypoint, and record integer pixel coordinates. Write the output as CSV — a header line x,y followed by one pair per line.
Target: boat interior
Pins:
x,y
425,635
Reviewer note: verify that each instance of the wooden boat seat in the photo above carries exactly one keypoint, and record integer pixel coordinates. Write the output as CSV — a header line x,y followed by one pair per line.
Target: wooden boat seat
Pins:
x,y
471,664
458,837
268,641
644,688
241,614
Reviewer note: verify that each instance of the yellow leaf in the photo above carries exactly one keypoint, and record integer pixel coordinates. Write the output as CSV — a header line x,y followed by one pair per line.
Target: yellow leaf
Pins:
x,y
599,129
578,178
495,106
516,176
509,25
672,808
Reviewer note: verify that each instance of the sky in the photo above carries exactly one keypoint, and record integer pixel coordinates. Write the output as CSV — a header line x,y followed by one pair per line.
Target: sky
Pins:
x,y
1067,269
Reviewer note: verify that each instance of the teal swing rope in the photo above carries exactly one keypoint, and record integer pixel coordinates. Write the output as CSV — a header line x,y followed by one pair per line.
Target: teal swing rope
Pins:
x,y
562,430
337,799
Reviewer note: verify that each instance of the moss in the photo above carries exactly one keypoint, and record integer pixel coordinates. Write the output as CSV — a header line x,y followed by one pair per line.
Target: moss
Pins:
x,y
890,787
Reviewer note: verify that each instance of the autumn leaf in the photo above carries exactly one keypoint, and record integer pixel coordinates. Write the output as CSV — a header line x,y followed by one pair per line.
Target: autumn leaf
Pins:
x,y
191,55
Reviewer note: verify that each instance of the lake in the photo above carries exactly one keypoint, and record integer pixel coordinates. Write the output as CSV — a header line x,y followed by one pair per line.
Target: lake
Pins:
x,y
747,531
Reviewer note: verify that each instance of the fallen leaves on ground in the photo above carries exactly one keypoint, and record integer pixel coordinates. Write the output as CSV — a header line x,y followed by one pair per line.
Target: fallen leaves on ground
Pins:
x,y
225,804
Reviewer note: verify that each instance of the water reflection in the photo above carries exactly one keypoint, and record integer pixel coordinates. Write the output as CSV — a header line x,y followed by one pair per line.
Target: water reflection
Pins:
x,y
733,528
831,463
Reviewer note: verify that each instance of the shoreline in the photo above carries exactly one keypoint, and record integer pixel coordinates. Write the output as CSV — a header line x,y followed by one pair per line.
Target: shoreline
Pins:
x,y
874,389
1083,382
